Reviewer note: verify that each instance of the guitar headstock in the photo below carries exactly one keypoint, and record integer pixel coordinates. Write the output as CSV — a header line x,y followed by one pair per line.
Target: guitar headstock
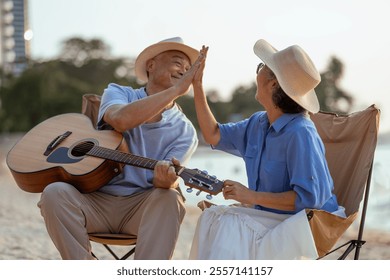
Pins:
x,y
200,180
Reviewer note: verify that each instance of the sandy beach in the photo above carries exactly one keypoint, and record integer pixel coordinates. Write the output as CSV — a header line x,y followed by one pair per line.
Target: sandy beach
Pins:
x,y
23,234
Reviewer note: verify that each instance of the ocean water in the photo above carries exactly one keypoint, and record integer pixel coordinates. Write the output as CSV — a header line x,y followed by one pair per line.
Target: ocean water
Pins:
x,y
226,166
378,213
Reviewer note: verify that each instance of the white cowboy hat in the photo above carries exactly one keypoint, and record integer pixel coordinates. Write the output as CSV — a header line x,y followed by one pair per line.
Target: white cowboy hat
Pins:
x,y
170,44
294,71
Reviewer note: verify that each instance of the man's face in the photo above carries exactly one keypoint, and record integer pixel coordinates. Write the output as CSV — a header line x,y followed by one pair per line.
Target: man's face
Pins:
x,y
167,68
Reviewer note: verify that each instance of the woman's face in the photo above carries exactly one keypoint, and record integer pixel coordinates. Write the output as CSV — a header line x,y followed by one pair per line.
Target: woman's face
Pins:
x,y
264,86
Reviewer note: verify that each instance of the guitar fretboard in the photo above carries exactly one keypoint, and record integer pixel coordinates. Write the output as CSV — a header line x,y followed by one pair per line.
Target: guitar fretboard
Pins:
x,y
122,157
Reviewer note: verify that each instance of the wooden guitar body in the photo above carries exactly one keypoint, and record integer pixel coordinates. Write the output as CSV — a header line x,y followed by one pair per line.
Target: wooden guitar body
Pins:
x,y
33,170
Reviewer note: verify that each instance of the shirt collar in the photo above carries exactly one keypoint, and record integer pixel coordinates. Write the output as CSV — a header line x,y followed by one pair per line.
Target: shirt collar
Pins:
x,y
283,120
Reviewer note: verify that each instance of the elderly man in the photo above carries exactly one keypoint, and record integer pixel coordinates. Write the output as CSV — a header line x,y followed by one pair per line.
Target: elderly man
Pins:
x,y
137,202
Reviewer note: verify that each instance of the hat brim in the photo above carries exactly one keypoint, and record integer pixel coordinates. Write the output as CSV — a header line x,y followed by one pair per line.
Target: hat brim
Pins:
x,y
156,49
266,53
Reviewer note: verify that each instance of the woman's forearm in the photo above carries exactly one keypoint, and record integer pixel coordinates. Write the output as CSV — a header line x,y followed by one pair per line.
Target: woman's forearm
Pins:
x,y
206,119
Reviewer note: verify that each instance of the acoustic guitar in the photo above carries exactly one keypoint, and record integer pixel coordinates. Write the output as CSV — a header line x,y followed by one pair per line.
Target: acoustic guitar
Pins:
x,y
67,148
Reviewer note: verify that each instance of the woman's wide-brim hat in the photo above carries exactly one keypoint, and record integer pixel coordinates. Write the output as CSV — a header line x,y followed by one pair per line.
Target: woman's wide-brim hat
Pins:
x,y
171,44
294,71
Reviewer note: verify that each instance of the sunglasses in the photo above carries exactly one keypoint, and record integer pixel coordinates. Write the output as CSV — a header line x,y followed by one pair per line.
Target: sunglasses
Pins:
x,y
261,65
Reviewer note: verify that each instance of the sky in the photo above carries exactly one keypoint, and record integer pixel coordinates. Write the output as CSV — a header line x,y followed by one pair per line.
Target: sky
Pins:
x,y
356,32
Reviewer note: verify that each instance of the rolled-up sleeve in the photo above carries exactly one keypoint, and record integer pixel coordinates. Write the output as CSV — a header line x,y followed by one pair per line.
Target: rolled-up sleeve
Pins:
x,y
309,174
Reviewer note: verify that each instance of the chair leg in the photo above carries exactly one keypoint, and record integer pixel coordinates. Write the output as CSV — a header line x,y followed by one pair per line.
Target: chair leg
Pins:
x,y
93,255
358,246
349,250
353,244
111,251
359,242
128,254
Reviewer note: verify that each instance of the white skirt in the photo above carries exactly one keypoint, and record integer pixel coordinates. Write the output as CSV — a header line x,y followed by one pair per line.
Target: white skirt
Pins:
x,y
238,233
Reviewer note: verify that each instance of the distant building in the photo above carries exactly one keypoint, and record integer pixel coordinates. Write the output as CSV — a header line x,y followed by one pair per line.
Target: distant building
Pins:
x,y
14,36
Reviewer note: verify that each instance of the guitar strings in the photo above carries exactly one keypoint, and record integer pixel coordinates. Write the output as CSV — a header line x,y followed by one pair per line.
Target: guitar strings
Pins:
x,y
89,148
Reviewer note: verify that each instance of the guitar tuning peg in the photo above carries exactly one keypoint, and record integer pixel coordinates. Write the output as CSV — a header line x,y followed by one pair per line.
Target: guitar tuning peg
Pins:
x,y
198,192
189,190
205,172
209,196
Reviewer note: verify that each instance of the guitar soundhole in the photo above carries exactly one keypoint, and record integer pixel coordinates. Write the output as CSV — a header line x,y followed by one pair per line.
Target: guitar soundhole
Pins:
x,y
82,148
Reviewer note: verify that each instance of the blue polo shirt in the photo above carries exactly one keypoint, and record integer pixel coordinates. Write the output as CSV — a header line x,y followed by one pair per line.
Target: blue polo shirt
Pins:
x,y
288,155
172,136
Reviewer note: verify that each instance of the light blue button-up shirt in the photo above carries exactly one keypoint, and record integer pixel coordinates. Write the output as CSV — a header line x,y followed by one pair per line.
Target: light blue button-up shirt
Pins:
x,y
288,155
173,136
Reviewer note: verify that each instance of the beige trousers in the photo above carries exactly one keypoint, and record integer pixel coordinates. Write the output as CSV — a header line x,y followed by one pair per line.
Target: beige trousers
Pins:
x,y
154,216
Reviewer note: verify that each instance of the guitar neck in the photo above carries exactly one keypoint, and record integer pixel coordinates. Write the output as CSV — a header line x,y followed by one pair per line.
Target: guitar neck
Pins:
x,y
122,157
126,158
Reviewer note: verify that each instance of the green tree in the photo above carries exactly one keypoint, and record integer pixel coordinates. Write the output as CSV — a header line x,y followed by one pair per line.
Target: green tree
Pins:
x,y
79,51
331,97
54,87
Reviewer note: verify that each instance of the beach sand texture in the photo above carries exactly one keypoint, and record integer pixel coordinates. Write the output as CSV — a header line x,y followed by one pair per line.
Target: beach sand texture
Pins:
x,y
23,234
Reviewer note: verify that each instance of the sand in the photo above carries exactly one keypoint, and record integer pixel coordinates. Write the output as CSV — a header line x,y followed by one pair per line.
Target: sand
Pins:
x,y
23,234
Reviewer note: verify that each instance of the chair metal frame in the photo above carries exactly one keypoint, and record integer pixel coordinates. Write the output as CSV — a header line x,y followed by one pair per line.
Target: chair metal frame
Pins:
x,y
356,244
116,239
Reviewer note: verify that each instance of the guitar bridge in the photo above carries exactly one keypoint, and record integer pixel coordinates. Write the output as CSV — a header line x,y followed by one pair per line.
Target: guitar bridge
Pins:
x,y
56,141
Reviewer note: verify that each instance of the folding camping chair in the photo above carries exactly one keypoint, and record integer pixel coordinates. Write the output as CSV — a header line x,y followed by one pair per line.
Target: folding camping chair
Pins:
x,y
90,108
350,142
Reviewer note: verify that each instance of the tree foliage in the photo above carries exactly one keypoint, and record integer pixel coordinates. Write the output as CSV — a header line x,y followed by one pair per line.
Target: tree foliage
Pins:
x,y
56,86
79,51
331,97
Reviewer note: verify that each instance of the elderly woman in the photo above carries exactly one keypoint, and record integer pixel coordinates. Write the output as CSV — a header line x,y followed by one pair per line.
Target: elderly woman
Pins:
x,y
283,153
